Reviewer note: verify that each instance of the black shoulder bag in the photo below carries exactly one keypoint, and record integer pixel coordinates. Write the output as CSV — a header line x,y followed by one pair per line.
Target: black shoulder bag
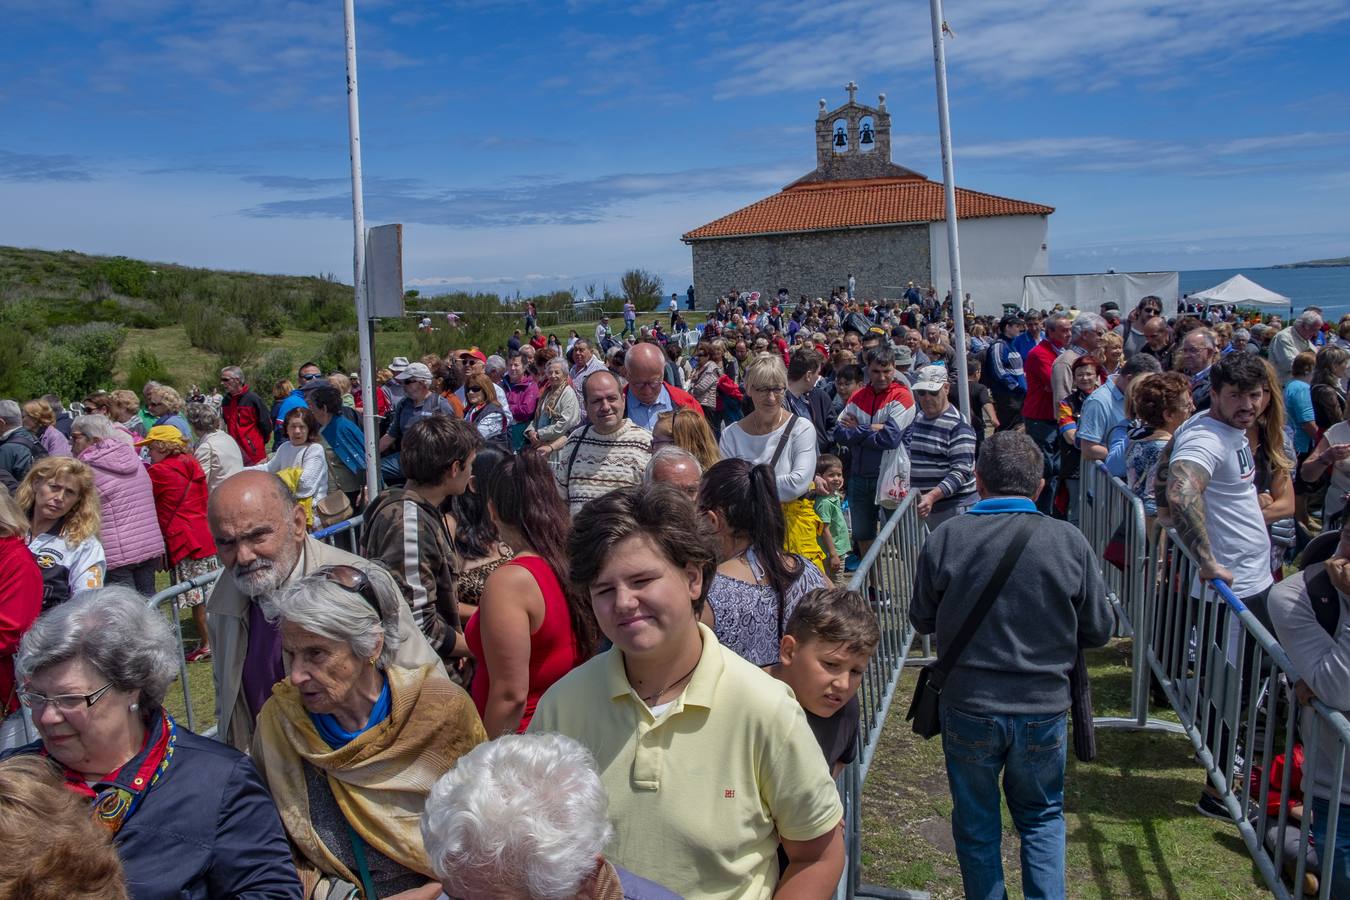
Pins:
x,y
924,708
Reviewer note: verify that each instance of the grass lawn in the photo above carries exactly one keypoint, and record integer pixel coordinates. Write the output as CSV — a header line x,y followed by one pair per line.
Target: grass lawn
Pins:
x,y
1132,826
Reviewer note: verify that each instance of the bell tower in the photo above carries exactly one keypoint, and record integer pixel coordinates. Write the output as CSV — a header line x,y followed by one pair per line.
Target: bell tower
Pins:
x,y
853,141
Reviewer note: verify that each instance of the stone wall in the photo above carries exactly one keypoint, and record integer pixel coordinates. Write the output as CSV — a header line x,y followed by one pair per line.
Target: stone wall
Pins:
x,y
813,263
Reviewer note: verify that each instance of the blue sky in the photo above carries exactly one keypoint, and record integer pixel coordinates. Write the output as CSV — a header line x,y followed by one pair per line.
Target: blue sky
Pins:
x,y
528,146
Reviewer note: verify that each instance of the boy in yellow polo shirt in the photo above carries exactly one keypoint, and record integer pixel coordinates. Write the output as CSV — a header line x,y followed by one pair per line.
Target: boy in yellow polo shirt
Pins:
x,y
708,761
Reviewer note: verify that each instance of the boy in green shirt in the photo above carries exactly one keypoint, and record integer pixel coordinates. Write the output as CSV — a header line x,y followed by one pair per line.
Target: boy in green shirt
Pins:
x,y
835,539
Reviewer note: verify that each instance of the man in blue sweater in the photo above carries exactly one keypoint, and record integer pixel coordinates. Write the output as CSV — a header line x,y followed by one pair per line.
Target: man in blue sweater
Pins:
x,y
1005,703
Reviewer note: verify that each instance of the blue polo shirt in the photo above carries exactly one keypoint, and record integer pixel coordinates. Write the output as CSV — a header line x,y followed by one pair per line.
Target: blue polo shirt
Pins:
x,y
643,415
1103,408
996,505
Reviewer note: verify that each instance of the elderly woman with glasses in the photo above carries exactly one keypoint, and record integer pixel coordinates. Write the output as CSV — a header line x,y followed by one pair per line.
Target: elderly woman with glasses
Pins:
x,y
350,744
188,815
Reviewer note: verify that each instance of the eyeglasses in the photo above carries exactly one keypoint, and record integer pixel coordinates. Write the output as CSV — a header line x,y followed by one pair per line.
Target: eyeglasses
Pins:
x,y
66,703
926,393
313,376
354,580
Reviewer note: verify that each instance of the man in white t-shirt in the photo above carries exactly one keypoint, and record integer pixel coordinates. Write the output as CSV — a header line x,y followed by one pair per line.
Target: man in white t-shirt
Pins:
x,y
1211,483
1217,513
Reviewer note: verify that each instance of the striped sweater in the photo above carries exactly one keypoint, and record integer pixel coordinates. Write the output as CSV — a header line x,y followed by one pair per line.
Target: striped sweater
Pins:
x,y
942,456
591,464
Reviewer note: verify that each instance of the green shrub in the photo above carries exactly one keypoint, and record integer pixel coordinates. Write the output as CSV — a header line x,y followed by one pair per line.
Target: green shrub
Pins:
x,y
121,275
145,366
275,365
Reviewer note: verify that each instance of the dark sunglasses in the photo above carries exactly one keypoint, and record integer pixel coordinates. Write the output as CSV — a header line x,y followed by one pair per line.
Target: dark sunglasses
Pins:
x,y
353,579
310,377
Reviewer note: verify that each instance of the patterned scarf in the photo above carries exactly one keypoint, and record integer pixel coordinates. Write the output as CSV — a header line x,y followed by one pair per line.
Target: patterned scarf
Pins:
x,y
118,795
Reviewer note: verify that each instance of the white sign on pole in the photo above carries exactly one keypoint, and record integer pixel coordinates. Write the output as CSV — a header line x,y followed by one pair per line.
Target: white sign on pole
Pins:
x,y
384,271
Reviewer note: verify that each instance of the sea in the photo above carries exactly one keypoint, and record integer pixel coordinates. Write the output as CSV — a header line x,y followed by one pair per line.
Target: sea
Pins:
x,y
1327,287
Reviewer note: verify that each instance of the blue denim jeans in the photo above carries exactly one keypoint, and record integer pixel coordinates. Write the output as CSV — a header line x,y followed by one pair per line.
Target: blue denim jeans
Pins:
x,y
1340,861
1029,753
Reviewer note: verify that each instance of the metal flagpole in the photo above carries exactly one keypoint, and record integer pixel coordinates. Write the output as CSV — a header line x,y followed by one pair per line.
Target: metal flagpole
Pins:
x,y
949,191
363,335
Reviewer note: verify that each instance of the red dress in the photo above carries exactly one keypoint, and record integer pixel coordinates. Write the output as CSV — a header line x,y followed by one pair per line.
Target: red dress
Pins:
x,y
553,647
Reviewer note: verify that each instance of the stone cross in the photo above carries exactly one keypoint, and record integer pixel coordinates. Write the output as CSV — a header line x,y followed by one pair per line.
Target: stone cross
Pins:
x,y
852,88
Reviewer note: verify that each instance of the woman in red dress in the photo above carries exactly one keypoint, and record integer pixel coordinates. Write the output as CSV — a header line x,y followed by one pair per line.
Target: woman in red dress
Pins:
x,y
529,630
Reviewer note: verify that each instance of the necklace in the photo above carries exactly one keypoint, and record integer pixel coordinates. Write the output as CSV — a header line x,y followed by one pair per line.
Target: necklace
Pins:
x,y
652,698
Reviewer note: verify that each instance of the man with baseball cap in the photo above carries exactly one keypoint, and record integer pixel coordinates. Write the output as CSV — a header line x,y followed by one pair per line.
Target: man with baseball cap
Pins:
x,y
941,451
418,403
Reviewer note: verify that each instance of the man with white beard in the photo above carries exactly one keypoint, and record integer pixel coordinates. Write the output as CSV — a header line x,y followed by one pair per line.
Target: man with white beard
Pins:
x,y
262,543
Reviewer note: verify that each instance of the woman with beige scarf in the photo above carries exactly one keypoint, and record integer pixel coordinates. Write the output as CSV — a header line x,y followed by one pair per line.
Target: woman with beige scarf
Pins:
x,y
558,411
350,745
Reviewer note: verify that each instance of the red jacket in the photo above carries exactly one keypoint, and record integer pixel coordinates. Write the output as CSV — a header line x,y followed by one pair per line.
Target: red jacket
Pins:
x,y
20,603
180,504
248,421
1040,400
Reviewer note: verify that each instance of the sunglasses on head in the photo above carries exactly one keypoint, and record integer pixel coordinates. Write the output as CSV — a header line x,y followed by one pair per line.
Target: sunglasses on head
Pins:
x,y
353,579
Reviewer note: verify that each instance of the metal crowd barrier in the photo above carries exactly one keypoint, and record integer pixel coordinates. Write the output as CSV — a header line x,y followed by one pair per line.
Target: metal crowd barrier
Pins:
x,y
346,531
1112,519
1230,682
886,578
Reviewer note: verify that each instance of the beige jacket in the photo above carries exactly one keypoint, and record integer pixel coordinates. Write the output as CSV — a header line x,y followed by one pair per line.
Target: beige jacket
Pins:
x,y
227,623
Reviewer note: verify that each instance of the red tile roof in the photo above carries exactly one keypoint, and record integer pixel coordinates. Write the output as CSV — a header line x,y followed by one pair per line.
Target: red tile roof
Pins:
x,y
824,206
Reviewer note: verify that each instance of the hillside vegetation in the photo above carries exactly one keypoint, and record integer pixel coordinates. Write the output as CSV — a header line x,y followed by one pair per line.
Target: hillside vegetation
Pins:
x,y
88,322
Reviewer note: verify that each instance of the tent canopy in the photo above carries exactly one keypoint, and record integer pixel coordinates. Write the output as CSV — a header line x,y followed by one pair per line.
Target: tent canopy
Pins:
x,y
1241,291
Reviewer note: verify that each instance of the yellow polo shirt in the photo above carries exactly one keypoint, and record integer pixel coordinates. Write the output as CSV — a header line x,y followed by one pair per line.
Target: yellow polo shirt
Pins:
x,y
699,796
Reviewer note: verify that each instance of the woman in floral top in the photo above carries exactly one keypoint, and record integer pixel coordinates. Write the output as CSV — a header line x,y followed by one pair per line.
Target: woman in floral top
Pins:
x,y
1160,404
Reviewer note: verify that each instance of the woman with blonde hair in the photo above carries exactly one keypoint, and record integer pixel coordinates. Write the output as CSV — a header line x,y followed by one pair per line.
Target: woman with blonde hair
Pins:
x,y
786,442
1112,352
685,428
180,506
125,411
40,421
54,848
62,506
166,404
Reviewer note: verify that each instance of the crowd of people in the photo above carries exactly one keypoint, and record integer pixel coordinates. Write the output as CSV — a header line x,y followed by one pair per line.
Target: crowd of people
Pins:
x,y
595,642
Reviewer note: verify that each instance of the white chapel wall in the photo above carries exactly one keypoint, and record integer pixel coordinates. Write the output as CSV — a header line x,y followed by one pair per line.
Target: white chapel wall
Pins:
x,y
995,253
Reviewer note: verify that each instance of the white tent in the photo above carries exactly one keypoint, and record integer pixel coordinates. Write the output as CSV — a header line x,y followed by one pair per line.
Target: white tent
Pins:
x,y
1240,291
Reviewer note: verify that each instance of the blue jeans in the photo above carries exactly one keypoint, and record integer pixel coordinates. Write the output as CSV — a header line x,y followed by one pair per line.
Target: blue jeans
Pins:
x,y
1340,862
1029,752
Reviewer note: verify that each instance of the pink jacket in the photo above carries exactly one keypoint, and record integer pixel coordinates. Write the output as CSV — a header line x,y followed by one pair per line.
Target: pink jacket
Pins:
x,y
130,531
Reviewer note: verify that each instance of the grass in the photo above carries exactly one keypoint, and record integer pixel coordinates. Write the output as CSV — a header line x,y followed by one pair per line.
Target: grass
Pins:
x,y
1132,826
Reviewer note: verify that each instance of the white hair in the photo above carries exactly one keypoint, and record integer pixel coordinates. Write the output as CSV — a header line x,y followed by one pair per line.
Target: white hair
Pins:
x,y
495,364
326,608
524,815
669,456
114,631
1308,317
94,426
1086,321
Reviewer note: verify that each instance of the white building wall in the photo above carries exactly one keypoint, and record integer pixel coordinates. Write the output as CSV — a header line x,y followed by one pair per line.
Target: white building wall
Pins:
x,y
995,253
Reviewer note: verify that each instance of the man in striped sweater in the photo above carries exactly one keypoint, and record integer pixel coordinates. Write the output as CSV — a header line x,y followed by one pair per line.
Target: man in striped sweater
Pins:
x,y
941,451
609,452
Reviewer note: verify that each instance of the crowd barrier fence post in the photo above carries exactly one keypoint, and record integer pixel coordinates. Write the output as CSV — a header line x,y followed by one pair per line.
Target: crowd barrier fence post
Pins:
x,y
885,578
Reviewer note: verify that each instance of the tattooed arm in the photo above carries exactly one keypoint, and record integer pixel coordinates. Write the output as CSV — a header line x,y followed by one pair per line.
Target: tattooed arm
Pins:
x,y
1186,483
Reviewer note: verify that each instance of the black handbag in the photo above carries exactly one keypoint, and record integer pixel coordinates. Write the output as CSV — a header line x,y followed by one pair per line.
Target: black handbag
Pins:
x,y
924,708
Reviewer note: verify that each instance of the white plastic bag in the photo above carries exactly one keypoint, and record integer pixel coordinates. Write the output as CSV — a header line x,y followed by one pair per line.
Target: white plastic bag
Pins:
x,y
893,474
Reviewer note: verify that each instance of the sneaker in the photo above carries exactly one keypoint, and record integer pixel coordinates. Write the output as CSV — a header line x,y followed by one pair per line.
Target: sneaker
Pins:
x,y
1212,807
199,654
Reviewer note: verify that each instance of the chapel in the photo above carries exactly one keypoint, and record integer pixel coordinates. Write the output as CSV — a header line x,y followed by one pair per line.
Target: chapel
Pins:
x,y
859,213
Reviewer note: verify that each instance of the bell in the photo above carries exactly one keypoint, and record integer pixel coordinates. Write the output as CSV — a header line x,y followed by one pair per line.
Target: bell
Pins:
x,y
840,140
866,135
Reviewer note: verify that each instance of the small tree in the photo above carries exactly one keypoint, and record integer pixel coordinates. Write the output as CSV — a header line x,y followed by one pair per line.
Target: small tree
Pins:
x,y
641,287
